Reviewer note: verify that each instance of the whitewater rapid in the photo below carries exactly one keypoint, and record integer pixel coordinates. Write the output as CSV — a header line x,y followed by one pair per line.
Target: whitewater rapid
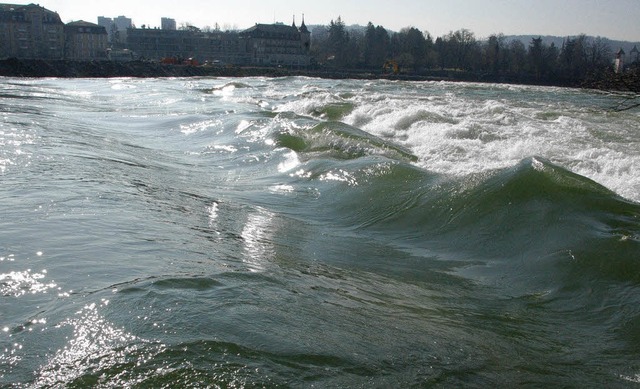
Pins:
x,y
463,128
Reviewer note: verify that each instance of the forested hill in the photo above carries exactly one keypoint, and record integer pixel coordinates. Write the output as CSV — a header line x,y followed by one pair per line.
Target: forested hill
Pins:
x,y
559,40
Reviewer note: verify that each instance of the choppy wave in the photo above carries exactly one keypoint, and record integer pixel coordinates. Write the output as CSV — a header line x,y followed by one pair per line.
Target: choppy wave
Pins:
x,y
301,232
339,140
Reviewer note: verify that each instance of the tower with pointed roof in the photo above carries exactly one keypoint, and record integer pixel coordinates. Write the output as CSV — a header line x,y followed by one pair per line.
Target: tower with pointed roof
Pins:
x,y
305,36
619,64
635,52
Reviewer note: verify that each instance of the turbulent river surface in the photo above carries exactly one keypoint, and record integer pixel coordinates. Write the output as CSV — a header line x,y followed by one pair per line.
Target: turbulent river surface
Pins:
x,y
298,232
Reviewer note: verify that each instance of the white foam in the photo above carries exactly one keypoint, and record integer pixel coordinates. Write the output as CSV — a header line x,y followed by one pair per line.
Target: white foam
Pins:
x,y
290,162
462,130
465,128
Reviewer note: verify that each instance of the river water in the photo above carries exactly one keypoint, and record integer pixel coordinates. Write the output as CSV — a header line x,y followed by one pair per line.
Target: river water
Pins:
x,y
298,232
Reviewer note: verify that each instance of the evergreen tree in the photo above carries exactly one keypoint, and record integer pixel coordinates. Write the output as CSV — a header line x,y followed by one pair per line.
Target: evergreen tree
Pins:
x,y
573,58
536,57
376,50
493,53
413,49
517,59
338,43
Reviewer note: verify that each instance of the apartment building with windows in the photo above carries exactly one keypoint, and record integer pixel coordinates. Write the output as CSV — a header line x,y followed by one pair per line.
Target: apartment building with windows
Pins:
x,y
261,45
277,44
168,24
30,31
33,32
85,41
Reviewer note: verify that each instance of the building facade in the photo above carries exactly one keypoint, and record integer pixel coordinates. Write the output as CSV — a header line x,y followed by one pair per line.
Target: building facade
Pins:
x,y
168,24
85,41
108,25
278,45
261,45
33,32
116,28
156,44
30,31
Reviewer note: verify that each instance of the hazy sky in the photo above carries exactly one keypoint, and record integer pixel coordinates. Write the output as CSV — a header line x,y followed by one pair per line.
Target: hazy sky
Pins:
x,y
615,19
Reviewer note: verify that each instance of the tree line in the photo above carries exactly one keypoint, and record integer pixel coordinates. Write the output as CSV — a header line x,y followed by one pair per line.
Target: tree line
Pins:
x,y
460,53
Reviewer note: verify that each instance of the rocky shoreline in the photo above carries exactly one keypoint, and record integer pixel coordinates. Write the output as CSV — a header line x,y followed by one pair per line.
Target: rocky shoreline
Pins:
x,y
34,68
104,69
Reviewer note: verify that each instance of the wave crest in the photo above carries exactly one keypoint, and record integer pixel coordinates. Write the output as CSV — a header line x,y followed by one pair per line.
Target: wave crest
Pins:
x,y
340,141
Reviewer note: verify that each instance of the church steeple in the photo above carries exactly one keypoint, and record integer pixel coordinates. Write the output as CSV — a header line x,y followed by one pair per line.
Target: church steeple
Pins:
x,y
294,22
305,36
303,27
635,52
619,64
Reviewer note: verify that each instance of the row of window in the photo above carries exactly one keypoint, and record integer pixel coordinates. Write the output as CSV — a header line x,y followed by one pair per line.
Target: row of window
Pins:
x,y
278,51
89,30
25,46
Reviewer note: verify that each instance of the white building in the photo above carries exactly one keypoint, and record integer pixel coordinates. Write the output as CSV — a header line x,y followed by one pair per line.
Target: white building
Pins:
x,y
168,24
619,65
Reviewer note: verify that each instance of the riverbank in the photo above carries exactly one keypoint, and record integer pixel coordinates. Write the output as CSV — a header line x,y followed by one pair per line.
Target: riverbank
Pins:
x,y
105,69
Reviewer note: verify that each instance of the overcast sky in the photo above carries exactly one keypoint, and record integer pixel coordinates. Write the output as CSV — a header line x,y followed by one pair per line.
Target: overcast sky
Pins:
x,y
615,19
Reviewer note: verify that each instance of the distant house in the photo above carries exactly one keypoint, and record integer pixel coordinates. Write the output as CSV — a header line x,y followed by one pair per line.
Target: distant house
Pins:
x,y
30,31
85,41
277,44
